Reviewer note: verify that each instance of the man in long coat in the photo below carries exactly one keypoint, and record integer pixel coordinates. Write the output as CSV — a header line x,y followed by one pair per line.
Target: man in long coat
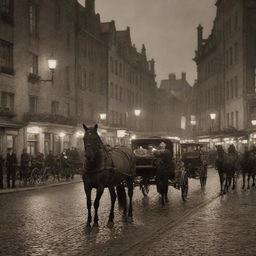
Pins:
x,y
11,164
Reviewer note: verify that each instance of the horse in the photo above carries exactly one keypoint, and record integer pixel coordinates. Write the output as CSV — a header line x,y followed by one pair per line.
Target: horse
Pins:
x,y
226,164
104,168
248,166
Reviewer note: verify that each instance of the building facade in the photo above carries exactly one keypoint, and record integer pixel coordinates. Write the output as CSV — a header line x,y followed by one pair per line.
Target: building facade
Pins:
x,y
131,85
226,74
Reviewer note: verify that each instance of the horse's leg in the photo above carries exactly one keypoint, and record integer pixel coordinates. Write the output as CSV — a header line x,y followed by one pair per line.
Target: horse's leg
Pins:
x,y
221,182
234,180
113,200
248,180
88,191
130,194
166,191
244,173
100,191
253,179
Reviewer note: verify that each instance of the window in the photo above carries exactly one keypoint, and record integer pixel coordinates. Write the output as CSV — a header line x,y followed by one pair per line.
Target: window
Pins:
x,y
55,107
33,104
112,117
232,119
6,57
33,20
231,56
111,90
255,79
67,75
120,69
231,89
7,100
237,119
236,53
236,87
33,69
116,67
85,79
227,119
102,87
227,90
6,8
116,91
111,64
227,59
120,94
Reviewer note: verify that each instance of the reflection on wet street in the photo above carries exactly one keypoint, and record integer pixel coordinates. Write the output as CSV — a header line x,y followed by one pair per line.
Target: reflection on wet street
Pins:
x,y
52,221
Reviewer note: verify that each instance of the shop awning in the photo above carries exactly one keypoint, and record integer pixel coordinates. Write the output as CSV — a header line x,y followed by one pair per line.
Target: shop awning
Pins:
x,y
5,123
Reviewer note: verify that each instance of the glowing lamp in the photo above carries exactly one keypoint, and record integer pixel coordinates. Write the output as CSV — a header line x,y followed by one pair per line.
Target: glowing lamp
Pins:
x,y
137,112
213,116
52,64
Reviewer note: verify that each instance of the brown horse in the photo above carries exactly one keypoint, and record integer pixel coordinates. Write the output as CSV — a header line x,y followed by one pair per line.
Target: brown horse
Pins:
x,y
227,165
106,168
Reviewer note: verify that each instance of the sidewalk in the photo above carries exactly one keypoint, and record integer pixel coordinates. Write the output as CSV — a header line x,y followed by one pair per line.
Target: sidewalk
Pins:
x,y
19,188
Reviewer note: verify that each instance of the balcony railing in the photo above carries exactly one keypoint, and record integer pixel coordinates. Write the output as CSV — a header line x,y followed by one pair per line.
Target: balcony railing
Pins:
x,y
49,118
33,78
6,112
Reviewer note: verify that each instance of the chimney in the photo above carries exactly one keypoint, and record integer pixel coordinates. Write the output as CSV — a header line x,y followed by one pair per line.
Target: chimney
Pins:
x,y
199,36
183,76
172,77
143,50
90,5
152,66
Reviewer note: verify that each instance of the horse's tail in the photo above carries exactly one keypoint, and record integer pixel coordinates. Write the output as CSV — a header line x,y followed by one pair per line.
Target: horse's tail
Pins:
x,y
121,196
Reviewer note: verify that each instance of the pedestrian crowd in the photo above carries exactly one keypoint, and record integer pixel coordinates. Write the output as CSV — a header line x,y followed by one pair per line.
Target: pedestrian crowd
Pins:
x,y
65,161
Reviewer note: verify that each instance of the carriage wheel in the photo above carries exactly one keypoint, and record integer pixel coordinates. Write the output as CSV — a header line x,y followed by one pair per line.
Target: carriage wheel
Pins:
x,y
184,186
35,176
144,186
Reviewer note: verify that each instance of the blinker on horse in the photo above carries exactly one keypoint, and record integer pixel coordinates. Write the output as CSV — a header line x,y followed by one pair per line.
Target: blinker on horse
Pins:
x,y
107,169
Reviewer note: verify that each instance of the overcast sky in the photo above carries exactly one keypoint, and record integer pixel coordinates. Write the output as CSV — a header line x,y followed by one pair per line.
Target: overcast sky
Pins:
x,y
167,27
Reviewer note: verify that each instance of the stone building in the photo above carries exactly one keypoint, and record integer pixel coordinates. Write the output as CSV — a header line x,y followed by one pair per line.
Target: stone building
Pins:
x,y
131,84
175,93
226,73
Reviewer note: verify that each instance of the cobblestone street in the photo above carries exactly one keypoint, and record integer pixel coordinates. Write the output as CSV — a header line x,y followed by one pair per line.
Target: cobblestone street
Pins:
x,y
51,221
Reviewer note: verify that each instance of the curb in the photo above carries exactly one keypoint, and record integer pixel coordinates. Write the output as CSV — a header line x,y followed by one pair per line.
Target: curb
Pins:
x,y
23,189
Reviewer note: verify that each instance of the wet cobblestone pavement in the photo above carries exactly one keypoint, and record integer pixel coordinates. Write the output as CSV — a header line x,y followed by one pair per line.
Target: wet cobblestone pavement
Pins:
x,y
52,221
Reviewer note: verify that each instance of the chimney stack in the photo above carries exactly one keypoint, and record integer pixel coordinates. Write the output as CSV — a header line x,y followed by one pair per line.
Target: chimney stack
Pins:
x,y
199,36
152,66
172,77
183,76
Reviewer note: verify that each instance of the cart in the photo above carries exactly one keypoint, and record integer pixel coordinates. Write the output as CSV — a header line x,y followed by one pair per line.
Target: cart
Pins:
x,y
195,161
146,164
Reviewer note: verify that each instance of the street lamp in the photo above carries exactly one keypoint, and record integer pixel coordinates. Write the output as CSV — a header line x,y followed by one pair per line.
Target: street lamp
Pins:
x,y
213,117
193,123
137,113
103,116
52,64
253,122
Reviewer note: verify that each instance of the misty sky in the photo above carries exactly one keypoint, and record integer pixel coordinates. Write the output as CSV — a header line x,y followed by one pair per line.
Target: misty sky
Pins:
x,y
167,27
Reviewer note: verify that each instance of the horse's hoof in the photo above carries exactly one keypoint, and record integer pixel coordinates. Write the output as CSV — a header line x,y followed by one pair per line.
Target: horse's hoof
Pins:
x,y
253,184
234,187
110,224
242,187
95,225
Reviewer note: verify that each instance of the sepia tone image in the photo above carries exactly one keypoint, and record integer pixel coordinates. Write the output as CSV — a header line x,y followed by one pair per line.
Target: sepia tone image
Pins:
x,y
127,127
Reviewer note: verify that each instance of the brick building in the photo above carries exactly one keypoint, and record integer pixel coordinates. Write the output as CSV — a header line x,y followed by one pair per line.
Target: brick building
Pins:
x,y
226,74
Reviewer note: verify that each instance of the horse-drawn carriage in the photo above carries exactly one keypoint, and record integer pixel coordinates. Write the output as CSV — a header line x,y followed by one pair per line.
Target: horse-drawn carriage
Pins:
x,y
195,161
147,164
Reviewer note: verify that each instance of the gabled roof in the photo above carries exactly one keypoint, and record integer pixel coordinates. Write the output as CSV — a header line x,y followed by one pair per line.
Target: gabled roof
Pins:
x,y
124,36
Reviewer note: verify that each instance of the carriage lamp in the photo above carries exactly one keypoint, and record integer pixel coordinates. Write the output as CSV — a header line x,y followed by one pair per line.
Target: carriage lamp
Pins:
x,y
253,122
137,112
213,116
103,116
52,64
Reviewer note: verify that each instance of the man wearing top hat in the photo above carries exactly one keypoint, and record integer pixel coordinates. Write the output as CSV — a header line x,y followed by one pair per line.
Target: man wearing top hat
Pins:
x,y
11,164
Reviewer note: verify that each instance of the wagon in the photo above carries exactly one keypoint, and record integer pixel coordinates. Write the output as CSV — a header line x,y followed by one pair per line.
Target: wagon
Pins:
x,y
195,161
146,164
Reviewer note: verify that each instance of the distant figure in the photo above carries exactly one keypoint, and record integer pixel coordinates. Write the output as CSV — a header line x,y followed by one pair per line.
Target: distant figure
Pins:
x,y
24,164
1,172
11,164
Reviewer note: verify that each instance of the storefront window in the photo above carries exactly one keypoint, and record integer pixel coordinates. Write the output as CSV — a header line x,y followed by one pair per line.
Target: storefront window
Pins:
x,y
47,144
56,145
66,142
32,142
10,142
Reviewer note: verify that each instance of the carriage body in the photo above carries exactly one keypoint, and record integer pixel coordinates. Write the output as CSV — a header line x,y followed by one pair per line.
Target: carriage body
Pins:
x,y
195,161
147,164
144,152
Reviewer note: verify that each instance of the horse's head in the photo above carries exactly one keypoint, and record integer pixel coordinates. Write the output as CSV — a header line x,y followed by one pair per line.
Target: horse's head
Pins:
x,y
91,142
